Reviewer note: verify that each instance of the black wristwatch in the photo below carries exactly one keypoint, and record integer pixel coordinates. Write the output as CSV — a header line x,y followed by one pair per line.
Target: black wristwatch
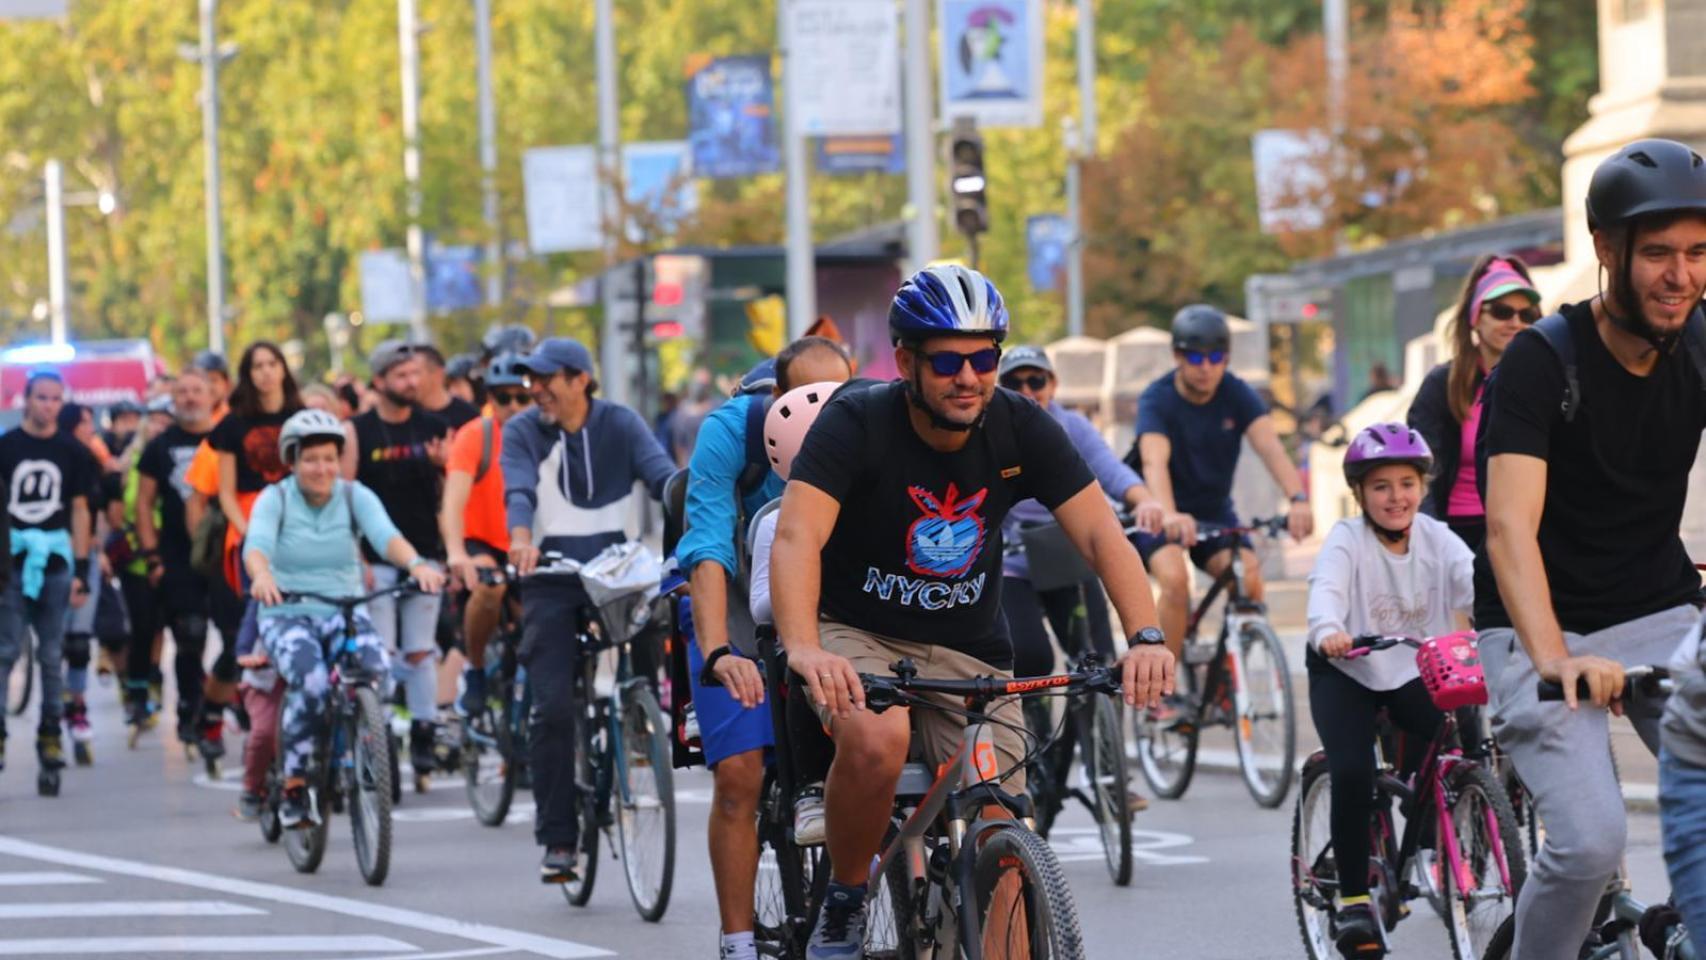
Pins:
x,y
1149,637
707,674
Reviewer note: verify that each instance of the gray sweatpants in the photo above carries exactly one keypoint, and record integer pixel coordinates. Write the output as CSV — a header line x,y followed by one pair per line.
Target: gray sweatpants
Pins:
x,y
1564,757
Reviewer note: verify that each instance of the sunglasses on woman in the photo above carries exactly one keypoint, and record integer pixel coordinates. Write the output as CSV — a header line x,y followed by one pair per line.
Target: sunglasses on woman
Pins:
x,y
1504,311
509,398
947,363
1033,382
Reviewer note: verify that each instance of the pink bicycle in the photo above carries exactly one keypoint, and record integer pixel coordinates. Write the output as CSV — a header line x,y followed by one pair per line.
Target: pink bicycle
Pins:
x,y
1451,805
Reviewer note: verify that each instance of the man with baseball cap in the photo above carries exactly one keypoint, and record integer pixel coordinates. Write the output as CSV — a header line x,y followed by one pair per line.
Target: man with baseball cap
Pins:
x,y
569,467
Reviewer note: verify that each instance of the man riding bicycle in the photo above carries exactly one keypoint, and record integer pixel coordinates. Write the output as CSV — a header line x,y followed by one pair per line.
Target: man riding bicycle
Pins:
x,y
569,469
1191,425
304,534
889,546
1592,422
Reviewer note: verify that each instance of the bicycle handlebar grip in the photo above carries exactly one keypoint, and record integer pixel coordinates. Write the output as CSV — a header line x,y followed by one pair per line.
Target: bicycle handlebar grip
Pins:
x,y
1552,692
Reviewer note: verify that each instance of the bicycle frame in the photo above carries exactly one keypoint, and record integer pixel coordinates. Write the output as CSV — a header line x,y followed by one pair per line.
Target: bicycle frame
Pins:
x,y
1239,608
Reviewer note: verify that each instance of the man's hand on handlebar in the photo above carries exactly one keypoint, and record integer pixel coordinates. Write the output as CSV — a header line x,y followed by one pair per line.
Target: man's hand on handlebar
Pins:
x,y
831,679
1300,521
1147,675
1151,516
1603,677
524,557
1180,527
741,678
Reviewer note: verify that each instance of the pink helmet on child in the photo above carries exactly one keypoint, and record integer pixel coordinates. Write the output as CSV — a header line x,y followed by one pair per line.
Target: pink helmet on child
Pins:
x,y
789,419
1385,443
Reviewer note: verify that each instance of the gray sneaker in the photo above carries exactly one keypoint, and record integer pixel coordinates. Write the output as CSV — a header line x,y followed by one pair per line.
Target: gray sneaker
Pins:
x,y
840,931
808,817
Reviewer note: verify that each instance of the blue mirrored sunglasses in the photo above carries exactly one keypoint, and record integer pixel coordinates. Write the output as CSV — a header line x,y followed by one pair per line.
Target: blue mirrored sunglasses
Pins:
x,y
947,363
1197,358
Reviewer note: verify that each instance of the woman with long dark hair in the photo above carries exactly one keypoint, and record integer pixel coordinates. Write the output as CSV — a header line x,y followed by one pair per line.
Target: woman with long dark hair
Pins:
x,y
1498,301
246,442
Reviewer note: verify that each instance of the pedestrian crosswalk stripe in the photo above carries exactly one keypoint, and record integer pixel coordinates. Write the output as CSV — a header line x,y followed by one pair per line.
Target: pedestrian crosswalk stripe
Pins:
x,y
230,946
42,878
126,908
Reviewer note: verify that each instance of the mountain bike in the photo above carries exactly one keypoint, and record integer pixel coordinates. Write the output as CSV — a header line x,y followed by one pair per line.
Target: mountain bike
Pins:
x,y
623,763
1240,680
352,759
1451,804
1091,726
1622,925
494,739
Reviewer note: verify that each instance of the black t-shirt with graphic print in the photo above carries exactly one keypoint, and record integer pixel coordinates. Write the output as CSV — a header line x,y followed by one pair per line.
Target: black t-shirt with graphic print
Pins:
x,y
394,463
916,551
166,461
254,442
41,476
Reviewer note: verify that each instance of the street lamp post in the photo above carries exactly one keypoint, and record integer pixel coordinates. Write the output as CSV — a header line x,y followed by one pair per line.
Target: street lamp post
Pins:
x,y
58,283
211,55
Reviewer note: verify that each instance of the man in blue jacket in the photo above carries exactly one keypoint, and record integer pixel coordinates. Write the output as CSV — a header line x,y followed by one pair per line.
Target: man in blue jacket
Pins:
x,y
724,489
569,468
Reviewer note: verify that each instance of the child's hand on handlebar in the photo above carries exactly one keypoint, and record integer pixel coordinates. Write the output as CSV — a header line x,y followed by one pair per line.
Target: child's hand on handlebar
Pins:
x,y
1335,645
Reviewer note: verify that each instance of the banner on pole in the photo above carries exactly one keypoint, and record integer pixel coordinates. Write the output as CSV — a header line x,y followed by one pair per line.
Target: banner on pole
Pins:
x,y
1047,237
385,288
657,183
731,116
453,278
837,155
851,49
562,199
992,61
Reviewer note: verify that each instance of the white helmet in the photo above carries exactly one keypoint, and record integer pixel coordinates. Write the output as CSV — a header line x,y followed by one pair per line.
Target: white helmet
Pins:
x,y
307,425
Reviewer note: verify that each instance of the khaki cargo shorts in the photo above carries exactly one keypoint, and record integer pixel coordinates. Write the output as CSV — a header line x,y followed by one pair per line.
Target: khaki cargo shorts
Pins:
x,y
936,735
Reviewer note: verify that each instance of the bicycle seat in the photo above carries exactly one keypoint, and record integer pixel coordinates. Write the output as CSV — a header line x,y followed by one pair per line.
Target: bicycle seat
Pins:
x,y
916,779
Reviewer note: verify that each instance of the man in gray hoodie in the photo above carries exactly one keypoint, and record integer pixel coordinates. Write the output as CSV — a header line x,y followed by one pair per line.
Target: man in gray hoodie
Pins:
x,y
569,469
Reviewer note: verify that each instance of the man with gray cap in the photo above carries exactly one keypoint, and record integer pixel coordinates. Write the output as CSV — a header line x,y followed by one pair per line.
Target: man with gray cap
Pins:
x,y
569,467
400,456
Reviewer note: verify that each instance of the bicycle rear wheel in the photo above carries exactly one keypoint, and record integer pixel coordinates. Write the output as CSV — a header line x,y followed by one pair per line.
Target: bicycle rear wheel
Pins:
x,y
271,827
1102,750
645,801
1499,948
1166,747
306,845
21,683
1024,906
1486,828
787,873
1266,726
368,787
488,761
1314,874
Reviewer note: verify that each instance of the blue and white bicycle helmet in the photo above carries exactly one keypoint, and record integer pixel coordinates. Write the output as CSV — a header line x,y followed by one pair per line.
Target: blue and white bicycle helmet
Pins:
x,y
946,300
505,371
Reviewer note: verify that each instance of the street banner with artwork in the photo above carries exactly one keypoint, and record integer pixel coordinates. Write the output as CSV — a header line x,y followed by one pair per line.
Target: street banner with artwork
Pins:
x,y
992,61
731,116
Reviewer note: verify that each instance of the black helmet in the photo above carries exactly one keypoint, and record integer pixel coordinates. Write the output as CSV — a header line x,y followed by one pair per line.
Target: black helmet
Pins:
x,y
463,366
1646,177
1201,327
513,338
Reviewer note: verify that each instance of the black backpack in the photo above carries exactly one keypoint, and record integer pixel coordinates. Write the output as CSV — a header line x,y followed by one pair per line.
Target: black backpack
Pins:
x,y
1555,330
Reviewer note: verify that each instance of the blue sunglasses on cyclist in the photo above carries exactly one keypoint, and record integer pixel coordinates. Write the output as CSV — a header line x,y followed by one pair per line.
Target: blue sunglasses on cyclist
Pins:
x,y
1197,358
947,363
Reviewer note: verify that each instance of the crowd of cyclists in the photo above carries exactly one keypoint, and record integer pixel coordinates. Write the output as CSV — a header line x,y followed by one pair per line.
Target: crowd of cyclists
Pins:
x,y
1535,495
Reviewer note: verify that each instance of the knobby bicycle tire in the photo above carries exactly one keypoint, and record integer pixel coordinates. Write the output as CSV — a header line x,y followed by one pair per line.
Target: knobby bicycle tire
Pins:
x,y
1049,916
890,919
1471,784
1309,850
1268,791
369,785
644,754
1168,757
306,846
1106,783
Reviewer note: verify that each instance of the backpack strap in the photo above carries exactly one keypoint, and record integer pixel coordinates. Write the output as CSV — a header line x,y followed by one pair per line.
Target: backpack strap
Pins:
x,y
1555,330
1694,342
486,431
757,467
349,503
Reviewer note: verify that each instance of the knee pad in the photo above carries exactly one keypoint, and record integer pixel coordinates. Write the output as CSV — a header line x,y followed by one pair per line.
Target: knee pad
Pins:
x,y
77,648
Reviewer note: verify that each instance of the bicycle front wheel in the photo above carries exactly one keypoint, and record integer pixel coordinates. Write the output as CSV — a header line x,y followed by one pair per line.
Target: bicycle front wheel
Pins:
x,y
21,683
369,785
645,802
1024,906
1102,749
1314,874
1490,849
489,766
1167,740
1266,723
588,758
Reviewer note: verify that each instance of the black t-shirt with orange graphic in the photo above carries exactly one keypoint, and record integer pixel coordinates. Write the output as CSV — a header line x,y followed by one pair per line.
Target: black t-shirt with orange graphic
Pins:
x,y
254,441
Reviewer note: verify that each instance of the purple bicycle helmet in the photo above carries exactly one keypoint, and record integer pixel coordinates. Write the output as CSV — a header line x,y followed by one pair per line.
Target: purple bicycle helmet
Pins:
x,y
1384,443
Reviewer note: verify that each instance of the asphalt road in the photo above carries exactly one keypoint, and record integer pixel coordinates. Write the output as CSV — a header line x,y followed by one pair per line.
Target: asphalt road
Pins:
x,y
140,858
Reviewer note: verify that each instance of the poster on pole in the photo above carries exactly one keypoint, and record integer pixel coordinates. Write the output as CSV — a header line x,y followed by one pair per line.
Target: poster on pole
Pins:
x,y
992,61
1291,184
851,49
453,278
731,116
385,286
657,183
1047,237
848,155
562,199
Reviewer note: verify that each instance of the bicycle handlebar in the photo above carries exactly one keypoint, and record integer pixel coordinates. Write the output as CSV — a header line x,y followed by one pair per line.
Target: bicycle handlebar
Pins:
x,y
882,692
1640,683
1374,643
299,596
1275,526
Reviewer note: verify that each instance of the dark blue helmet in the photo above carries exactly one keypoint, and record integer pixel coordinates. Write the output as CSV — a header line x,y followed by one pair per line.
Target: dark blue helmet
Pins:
x,y
946,300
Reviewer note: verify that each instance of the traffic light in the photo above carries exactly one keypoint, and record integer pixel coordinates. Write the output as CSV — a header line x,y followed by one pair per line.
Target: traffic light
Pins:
x,y
971,208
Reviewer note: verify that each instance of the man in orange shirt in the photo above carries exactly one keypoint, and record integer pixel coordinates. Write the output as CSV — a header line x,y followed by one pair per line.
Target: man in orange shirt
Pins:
x,y
476,534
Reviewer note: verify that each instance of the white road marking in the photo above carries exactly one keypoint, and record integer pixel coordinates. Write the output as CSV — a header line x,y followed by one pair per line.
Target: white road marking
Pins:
x,y
231,886
448,955
1084,844
231,946
43,878
127,908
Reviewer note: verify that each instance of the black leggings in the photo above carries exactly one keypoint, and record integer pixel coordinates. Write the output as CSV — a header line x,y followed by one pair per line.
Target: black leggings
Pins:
x,y
143,606
1344,712
1026,608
